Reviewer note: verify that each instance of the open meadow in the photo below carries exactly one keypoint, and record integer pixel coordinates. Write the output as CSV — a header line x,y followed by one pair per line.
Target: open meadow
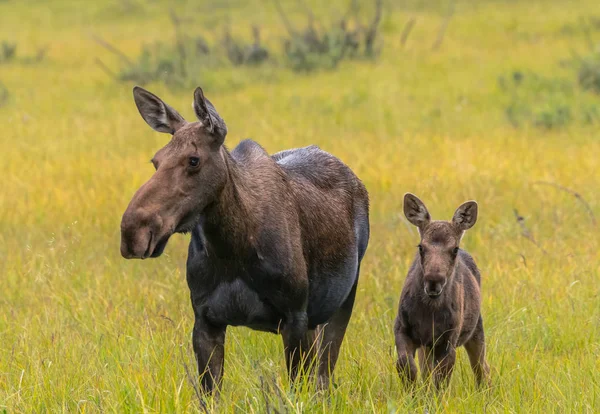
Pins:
x,y
496,112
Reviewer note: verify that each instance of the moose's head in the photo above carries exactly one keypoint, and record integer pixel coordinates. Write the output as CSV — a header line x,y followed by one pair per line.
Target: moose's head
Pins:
x,y
440,240
191,172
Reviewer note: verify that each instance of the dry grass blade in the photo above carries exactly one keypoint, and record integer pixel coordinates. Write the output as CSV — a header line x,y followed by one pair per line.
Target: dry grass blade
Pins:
x,y
193,383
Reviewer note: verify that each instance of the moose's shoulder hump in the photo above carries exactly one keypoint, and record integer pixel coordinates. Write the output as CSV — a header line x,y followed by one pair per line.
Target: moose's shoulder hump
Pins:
x,y
296,154
249,150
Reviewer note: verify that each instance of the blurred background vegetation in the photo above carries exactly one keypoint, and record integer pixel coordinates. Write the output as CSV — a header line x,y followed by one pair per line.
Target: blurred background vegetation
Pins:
x,y
494,100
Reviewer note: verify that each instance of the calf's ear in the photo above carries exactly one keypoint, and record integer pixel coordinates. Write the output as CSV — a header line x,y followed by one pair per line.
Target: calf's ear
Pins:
x,y
465,216
415,211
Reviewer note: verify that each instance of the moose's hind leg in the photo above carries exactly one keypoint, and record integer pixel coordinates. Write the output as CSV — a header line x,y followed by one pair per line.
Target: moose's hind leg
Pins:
x,y
475,347
295,334
330,337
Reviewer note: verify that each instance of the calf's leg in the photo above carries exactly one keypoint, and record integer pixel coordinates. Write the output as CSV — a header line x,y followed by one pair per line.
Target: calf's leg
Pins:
x,y
425,361
405,364
475,347
445,357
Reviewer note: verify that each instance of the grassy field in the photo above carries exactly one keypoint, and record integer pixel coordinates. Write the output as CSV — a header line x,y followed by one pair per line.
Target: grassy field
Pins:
x,y
83,330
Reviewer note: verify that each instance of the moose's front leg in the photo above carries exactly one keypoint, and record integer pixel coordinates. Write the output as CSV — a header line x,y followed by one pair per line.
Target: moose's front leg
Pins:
x,y
405,347
209,347
445,357
296,349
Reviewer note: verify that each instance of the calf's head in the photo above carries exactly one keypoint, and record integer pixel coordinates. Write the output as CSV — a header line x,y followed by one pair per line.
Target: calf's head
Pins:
x,y
190,173
440,240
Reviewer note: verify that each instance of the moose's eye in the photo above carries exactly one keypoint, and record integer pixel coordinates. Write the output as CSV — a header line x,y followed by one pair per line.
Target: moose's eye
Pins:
x,y
455,251
420,248
194,161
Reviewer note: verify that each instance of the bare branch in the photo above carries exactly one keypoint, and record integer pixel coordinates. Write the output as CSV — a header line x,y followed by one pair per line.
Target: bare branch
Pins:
x,y
410,24
353,10
3,94
575,194
193,383
284,19
442,32
278,392
112,49
525,231
311,16
523,258
176,20
371,32
265,389
106,69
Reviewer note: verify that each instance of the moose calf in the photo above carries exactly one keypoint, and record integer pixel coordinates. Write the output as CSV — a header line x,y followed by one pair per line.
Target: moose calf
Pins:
x,y
277,240
440,303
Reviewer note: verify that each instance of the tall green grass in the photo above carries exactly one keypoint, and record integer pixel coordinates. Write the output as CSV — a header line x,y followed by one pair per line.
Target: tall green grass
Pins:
x,y
83,330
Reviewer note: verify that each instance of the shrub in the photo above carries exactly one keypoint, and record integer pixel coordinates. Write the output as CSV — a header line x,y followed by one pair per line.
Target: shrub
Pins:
x,y
3,95
313,48
8,54
588,74
543,102
8,51
181,62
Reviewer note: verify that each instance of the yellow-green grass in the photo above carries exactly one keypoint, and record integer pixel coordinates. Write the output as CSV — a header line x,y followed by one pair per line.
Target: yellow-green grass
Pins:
x,y
82,329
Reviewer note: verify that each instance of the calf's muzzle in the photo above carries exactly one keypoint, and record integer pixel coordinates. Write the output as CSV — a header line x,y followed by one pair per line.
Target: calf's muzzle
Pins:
x,y
434,285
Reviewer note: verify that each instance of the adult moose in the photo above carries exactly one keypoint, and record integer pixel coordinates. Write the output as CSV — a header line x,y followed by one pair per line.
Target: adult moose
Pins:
x,y
276,244
440,303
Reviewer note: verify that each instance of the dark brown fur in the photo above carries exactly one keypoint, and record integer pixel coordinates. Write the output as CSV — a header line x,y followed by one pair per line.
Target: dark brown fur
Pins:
x,y
276,243
440,302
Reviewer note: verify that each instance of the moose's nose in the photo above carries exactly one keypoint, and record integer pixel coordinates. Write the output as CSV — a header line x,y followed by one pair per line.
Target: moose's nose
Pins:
x,y
137,235
136,245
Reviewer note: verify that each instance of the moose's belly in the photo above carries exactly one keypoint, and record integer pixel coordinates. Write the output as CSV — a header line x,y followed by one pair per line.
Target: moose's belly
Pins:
x,y
329,289
235,303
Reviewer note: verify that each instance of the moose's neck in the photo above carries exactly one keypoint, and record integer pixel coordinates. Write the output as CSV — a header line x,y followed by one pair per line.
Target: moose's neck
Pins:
x,y
229,223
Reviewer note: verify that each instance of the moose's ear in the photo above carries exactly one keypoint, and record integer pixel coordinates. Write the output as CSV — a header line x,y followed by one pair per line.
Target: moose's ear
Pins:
x,y
465,216
160,116
201,109
208,116
415,211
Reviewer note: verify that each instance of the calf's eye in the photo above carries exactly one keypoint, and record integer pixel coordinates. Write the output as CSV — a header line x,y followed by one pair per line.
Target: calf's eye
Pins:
x,y
455,251
194,161
420,249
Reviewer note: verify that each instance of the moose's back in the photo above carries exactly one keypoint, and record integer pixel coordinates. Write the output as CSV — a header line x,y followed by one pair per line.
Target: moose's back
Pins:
x,y
333,208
